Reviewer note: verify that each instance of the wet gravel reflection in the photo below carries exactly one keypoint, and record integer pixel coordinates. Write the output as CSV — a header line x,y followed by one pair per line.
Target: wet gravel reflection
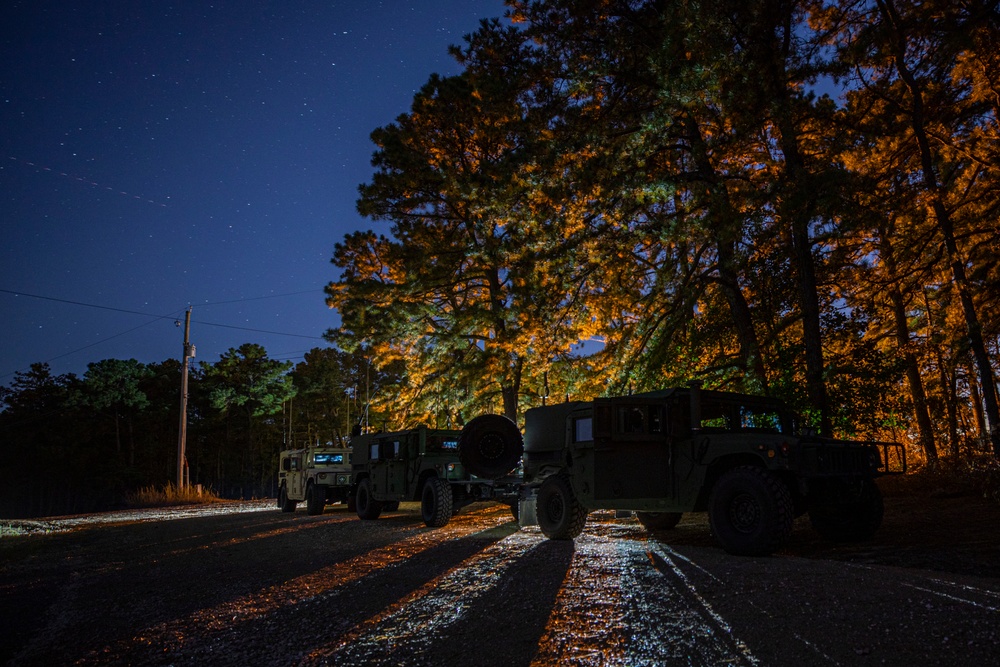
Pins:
x,y
271,588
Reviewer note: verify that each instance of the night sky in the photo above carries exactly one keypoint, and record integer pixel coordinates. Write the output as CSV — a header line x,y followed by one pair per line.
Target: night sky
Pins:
x,y
156,155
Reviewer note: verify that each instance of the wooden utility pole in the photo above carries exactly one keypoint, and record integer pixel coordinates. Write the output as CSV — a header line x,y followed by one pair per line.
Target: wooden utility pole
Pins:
x,y
182,436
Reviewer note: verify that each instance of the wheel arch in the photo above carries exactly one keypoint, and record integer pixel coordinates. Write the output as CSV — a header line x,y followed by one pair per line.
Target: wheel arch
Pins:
x,y
720,467
418,490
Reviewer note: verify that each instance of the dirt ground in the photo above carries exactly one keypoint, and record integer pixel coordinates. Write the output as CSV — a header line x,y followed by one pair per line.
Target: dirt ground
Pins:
x,y
243,583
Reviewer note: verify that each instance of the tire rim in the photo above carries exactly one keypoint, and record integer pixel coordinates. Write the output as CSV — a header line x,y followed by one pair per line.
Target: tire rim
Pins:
x,y
744,513
555,508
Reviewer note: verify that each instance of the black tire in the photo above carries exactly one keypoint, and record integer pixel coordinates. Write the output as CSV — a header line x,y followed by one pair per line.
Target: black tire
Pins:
x,y
315,499
284,502
560,515
490,446
436,502
365,504
854,520
750,512
658,520
390,506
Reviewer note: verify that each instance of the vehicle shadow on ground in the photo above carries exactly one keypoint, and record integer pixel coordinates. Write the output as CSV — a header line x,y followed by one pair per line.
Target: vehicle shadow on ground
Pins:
x,y
945,534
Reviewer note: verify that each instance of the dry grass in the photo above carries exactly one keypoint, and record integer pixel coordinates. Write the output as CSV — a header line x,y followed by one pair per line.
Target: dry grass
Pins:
x,y
151,496
976,477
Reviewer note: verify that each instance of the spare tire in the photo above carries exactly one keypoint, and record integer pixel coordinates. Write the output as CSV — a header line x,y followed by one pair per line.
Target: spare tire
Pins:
x,y
490,446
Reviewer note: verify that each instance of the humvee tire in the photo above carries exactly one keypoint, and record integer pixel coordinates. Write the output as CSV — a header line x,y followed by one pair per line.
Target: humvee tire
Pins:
x,y
490,446
315,500
560,514
436,502
658,520
367,507
750,511
284,502
852,521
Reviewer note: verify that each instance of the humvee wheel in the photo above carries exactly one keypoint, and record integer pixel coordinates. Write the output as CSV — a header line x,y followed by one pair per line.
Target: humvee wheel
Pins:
x,y
750,511
315,499
390,507
658,520
490,446
367,507
560,515
436,502
850,521
284,502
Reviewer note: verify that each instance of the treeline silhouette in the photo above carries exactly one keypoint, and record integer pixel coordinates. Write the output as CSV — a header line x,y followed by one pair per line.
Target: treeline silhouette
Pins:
x,y
73,444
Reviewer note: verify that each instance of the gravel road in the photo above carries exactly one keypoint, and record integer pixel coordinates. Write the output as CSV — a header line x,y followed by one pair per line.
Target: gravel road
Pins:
x,y
242,583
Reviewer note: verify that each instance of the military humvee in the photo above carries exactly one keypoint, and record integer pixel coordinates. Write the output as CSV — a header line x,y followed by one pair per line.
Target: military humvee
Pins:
x,y
740,458
319,475
423,465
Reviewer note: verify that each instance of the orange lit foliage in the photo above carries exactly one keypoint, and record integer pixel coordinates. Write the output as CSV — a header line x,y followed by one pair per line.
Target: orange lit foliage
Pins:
x,y
468,292
657,176
923,108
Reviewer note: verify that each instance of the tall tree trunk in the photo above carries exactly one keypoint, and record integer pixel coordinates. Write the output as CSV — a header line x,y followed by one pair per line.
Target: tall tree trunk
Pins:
x,y
946,226
118,435
796,203
511,390
919,398
915,382
131,444
952,377
976,398
726,228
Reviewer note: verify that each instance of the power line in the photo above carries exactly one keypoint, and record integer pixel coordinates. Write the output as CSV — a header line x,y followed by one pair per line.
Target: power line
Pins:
x,y
88,305
81,349
173,316
274,333
154,318
258,298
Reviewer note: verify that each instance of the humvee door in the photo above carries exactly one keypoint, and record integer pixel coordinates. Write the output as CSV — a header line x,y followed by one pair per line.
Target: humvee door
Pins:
x,y
632,452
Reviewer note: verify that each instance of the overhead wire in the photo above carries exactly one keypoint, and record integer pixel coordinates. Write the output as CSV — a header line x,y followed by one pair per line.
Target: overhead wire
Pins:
x,y
155,317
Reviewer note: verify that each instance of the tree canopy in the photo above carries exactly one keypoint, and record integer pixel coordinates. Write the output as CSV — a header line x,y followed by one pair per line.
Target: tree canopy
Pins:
x,y
788,197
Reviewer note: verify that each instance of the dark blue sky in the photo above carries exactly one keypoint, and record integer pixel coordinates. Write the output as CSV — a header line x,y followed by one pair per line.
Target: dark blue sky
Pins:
x,y
159,154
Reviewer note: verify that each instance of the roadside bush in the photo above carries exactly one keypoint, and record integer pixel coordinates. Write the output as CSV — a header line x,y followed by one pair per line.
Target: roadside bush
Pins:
x,y
151,496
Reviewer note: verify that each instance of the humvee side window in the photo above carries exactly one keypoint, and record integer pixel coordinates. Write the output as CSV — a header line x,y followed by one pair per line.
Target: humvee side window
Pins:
x,y
655,419
583,429
714,415
373,451
295,464
286,464
631,420
759,419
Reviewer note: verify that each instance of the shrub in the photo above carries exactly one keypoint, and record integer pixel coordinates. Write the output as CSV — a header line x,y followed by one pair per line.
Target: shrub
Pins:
x,y
151,496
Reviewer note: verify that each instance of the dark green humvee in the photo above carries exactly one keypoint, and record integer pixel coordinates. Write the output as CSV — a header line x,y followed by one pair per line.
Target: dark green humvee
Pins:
x,y
424,465
740,458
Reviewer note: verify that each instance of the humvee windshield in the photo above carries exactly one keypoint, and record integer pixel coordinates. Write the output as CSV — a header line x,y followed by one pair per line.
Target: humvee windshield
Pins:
x,y
325,459
724,415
